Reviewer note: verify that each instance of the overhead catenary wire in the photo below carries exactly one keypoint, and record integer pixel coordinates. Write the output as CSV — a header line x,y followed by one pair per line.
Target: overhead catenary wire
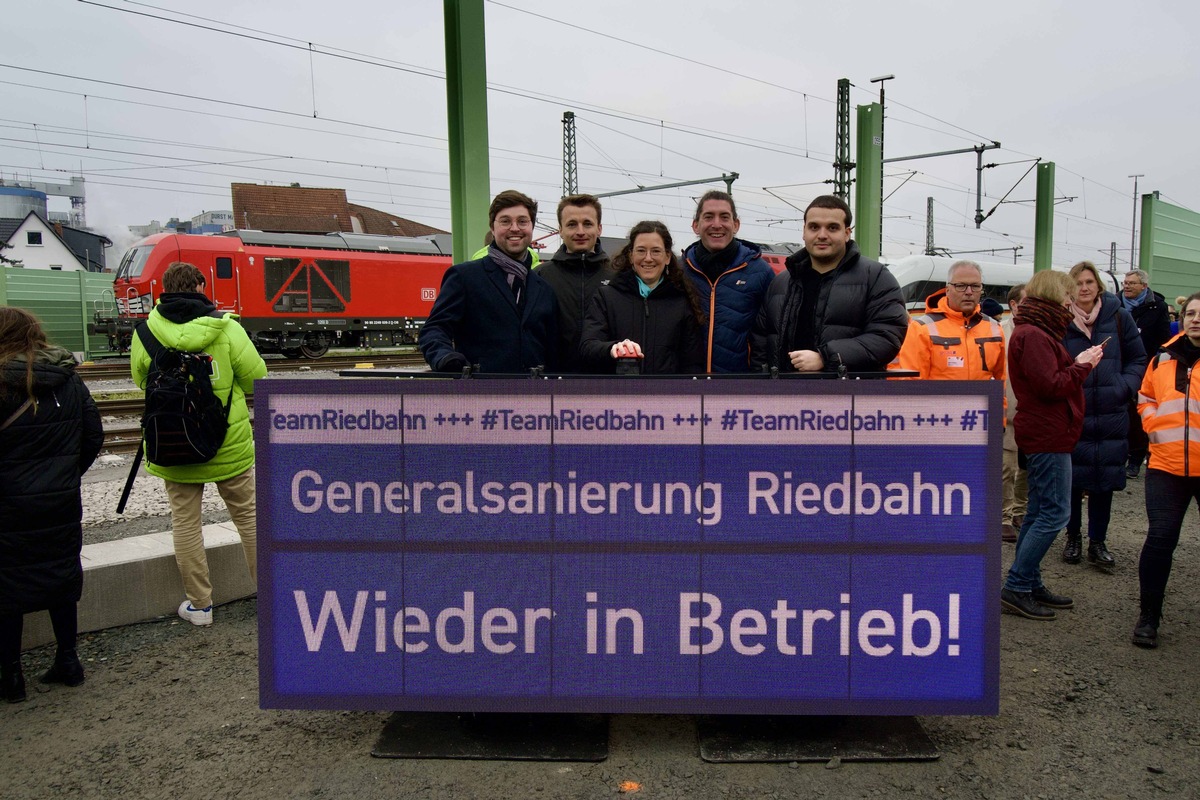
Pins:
x,y
274,38
547,160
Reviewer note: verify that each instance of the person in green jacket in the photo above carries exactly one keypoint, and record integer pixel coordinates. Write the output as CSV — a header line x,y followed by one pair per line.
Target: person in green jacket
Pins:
x,y
184,320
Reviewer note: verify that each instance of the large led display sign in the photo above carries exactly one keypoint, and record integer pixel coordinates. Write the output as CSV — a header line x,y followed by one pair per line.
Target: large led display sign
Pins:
x,y
629,545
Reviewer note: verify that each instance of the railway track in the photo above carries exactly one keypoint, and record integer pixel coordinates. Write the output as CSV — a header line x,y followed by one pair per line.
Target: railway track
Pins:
x,y
133,407
119,370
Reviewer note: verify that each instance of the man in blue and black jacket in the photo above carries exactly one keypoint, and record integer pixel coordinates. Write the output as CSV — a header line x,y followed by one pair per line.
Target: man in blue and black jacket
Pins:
x,y
731,279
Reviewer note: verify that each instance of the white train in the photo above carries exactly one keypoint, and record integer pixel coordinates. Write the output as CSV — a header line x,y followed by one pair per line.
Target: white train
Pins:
x,y
921,276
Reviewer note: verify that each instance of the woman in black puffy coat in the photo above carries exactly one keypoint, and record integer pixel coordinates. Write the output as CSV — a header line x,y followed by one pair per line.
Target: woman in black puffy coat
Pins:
x,y
1098,463
50,433
648,312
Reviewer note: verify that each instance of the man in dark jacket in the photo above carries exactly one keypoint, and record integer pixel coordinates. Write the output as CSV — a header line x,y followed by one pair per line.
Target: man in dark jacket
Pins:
x,y
1153,317
831,308
575,272
495,313
731,279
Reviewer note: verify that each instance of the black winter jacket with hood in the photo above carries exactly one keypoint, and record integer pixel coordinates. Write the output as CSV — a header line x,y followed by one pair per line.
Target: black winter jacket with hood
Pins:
x,y
574,277
43,454
1153,318
663,324
861,320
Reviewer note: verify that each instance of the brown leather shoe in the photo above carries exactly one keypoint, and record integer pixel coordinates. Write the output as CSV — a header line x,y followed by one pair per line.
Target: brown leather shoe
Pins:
x,y
1008,533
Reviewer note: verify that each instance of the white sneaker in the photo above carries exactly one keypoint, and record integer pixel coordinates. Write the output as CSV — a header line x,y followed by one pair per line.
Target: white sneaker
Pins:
x,y
196,616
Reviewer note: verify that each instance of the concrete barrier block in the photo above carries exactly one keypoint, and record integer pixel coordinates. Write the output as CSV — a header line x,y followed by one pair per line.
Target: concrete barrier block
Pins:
x,y
135,579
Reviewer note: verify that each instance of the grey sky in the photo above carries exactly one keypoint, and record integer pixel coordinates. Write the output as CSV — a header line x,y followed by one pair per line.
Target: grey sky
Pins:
x,y
1102,89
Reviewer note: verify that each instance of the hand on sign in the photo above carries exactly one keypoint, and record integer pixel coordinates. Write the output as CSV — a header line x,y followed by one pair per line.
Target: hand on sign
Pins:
x,y
1090,356
626,349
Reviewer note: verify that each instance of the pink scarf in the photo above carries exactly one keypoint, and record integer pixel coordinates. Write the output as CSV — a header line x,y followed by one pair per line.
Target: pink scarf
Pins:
x,y
1083,320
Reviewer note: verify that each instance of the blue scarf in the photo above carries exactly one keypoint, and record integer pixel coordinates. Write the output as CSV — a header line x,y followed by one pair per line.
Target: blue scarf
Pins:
x,y
1137,301
645,290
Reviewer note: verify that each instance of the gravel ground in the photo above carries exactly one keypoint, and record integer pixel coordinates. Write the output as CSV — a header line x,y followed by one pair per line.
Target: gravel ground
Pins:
x,y
171,711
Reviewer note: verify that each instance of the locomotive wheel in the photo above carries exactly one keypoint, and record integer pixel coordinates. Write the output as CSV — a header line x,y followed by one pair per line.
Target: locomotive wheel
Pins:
x,y
293,353
314,346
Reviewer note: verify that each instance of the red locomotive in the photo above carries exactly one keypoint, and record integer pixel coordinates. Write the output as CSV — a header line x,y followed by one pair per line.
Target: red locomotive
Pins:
x,y
296,294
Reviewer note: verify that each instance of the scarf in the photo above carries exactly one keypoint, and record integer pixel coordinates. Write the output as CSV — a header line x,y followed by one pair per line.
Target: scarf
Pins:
x,y
715,264
645,290
1045,315
1133,303
513,269
1083,320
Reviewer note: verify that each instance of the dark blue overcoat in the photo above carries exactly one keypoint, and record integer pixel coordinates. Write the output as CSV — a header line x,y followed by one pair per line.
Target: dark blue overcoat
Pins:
x,y
1098,463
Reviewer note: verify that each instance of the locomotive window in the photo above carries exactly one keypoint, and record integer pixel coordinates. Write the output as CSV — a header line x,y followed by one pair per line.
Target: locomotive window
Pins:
x,y
224,268
134,261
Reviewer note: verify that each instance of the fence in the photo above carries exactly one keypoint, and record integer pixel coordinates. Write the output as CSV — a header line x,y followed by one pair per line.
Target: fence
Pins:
x,y
63,301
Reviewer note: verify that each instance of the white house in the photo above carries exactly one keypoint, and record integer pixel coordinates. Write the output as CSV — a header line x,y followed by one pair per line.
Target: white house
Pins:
x,y
39,244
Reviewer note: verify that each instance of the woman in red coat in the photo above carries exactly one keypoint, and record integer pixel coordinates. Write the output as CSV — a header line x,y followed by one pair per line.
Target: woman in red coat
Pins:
x,y
1048,384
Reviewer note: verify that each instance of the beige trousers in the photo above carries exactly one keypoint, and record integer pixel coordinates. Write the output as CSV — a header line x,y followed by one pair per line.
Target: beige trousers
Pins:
x,y
187,531
1015,488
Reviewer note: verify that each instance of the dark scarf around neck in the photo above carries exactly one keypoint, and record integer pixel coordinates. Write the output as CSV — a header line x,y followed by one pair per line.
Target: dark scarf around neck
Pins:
x,y
714,264
514,269
1049,317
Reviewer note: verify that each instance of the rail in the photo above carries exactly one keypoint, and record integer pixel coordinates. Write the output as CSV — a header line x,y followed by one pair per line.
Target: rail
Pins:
x,y
118,370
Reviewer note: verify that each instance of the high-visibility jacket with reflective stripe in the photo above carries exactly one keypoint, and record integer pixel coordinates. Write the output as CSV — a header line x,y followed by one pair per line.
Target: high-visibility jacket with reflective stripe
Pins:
x,y
1169,404
942,344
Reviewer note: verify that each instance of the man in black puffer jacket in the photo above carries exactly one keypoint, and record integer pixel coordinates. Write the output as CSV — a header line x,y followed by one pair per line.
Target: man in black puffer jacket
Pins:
x,y
831,308
575,272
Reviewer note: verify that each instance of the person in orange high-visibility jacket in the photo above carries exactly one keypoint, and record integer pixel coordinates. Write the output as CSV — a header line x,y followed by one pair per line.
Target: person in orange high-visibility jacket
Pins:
x,y
1169,405
953,339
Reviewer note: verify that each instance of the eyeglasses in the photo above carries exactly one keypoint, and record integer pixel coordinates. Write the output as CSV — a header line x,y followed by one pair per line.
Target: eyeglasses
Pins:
x,y
966,287
641,252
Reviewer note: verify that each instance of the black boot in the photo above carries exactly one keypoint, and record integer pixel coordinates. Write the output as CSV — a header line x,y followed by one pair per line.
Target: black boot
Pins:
x,y
1073,550
12,682
66,669
1098,554
1145,633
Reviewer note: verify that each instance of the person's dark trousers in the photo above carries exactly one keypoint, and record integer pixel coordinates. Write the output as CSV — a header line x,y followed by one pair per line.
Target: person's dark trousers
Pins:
x,y
63,619
1167,500
12,681
1099,514
11,626
1139,443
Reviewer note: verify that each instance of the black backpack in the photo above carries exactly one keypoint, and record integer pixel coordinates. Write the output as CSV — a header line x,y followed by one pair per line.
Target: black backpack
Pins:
x,y
184,421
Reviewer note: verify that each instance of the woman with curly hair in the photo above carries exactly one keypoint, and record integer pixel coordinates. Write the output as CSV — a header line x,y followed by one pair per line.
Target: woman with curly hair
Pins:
x,y
648,312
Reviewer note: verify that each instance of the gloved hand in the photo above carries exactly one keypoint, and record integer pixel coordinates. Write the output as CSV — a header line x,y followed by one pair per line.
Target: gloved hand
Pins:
x,y
453,363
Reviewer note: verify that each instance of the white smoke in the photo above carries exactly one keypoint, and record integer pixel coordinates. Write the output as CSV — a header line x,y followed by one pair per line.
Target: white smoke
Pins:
x,y
101,214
